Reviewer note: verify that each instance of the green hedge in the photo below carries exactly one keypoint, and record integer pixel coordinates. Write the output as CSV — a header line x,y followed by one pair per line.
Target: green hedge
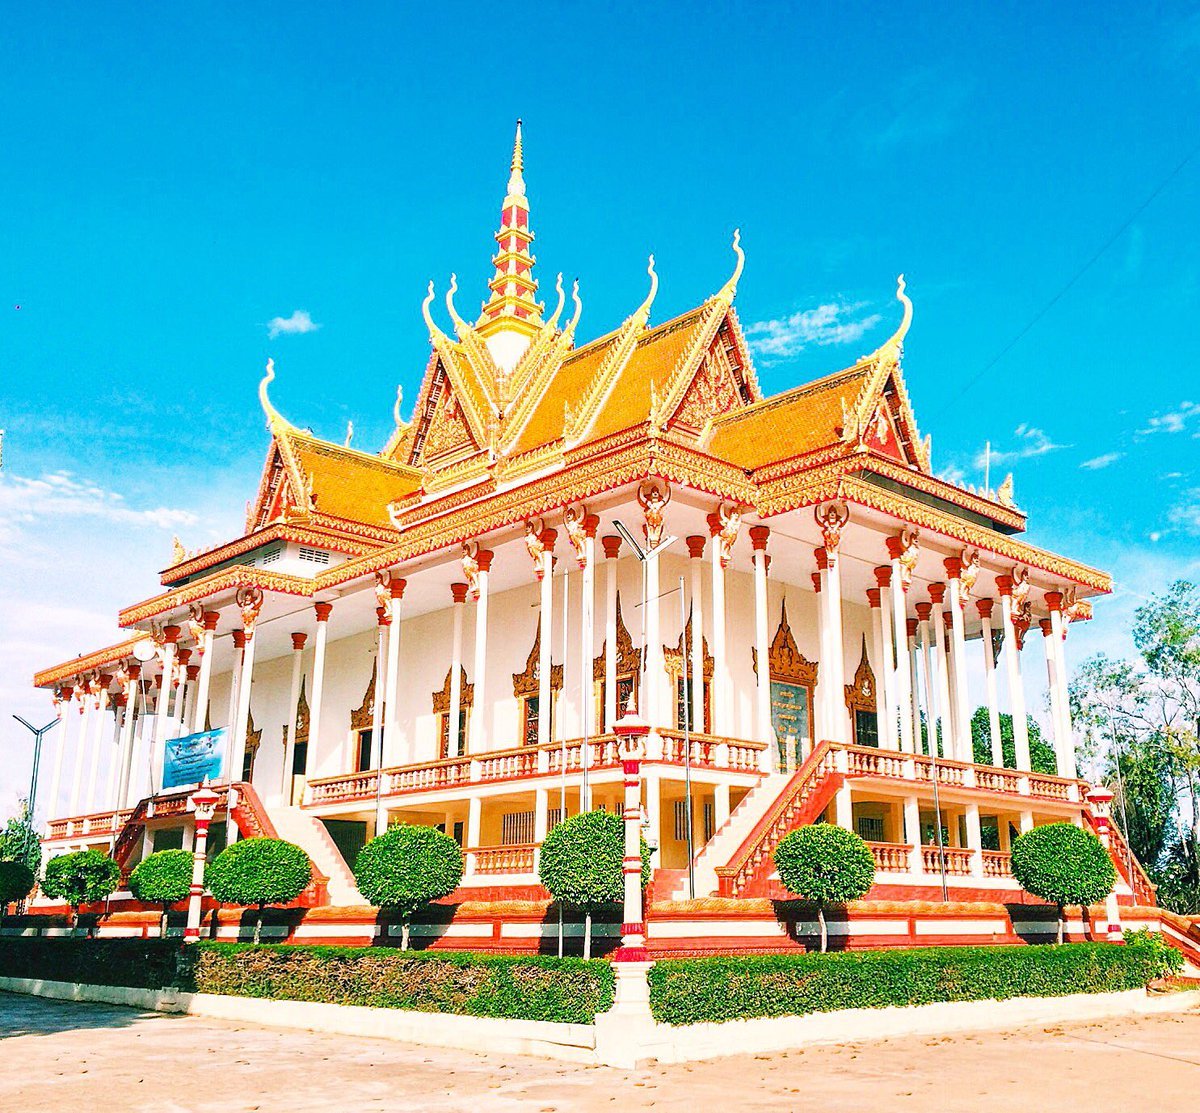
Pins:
x,y
690,991
570,990
138,963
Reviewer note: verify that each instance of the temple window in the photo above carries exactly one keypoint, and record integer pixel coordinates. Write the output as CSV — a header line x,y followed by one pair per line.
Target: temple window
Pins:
x,y
361,734
793,678
441,708
628,668
527,689
860,702
675,664
253,738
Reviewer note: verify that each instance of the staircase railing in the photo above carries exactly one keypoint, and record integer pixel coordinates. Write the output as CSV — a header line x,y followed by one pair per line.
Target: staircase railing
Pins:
x,y
787,812
1128,866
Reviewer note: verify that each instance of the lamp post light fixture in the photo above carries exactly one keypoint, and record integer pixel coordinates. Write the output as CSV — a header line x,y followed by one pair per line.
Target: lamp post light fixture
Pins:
x,y
631,731
203,804
1101,799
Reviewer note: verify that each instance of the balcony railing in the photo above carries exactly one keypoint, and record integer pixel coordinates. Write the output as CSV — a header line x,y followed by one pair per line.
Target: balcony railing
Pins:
x,y
87,826
891,857
957,860
502,859
548,759
997,863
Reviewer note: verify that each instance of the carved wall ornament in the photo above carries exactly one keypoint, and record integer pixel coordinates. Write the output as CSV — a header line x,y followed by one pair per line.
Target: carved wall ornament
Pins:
x,y
785,662
629,657
969,574
360,717
466,697
1020,587
573,522
249,599
910,552
470,567
196,624
673,656
730,517
527,683
533,542
653,499
831,519
383,589
860,696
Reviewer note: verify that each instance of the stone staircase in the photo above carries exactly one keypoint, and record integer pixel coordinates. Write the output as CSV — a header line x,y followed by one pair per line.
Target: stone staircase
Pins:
x,y
729,836
311,835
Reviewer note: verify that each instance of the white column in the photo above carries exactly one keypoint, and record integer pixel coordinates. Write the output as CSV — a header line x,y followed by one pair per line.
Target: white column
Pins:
x,y
904,689
474,822
910,632
924,617
612,546
958,650
241,724
721,807
382,623
695,546
459,596
200,704
541,821
1012,661
482,715
587,629
984,607
1058,646
942,667
974,838
820,729
885,679
323,610
1052,685
289,749
839,721
132,690
655,714
185,692
81,745
390,743
64,738
97,744
162,710
119,704
720,682
546,628
235,679
758,539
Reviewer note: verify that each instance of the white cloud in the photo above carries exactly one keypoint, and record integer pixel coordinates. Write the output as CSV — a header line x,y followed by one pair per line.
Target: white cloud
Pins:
x,y
832,323
59,494
1031,442
1186,515
1174,421
298,323
1098,462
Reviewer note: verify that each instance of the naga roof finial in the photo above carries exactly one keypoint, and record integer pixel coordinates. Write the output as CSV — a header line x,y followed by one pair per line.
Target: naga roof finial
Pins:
x,y
729,291
906,301
276,422
578,307
460,326
642,314
396,406
562,297
435,333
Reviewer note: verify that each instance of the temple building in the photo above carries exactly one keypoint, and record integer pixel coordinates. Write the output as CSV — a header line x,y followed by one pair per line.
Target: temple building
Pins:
x,y
443,632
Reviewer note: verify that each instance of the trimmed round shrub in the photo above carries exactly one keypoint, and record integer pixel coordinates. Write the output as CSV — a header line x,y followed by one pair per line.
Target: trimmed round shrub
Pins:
x,y
259,872
826,865
1063,864
164,878
16,883
406,868
581,864
82,877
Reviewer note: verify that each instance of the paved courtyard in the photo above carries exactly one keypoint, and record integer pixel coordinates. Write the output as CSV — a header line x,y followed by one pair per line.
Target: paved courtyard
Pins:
x,y
56,1056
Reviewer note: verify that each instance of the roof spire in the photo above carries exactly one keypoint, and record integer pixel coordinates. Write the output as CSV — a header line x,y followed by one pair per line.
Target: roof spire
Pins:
x,y
512,315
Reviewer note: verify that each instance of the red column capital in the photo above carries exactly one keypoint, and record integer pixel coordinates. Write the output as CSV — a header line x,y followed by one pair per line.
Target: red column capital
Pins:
x,y
953,567
924,610
396,587
695,544
758,537
484,559
324,610
239,639
1054,600
822,558
873,597
211,618
883,576
937,593
612,545
984,607
298,641
458,592
1004,585
171,634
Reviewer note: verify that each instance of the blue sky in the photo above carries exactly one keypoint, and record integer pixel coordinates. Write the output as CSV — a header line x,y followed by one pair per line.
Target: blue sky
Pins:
x,y
173,181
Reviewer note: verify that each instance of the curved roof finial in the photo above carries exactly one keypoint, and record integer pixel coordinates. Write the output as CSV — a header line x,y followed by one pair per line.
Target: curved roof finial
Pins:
x,y
553,322
729,291
276,422
396,406
895,343
460,325
435,333
643,311
578,308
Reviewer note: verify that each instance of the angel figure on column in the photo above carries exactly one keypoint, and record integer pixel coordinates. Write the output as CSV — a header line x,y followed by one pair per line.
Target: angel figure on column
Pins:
x,y
653,502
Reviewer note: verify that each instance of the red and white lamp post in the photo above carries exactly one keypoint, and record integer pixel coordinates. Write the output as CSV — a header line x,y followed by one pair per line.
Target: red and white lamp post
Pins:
x,y
1100,799
631,731
203,803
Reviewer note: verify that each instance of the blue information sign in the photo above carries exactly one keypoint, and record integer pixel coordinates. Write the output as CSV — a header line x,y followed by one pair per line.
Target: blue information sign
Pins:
x,y
188,760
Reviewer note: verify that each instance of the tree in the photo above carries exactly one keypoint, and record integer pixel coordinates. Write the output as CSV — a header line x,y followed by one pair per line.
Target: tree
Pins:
x,y
16,883
1062,864
406,868
826,865
164,878
582,864
19,840
259,872
81,877
1041,753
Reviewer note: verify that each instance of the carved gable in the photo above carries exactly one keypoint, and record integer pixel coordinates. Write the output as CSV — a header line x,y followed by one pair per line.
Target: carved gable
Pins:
x,y
718,386
526,683
442,427
785,660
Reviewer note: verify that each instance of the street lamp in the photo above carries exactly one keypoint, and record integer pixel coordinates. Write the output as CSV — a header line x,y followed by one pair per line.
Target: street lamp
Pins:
x,y
203,803
38,735
631,730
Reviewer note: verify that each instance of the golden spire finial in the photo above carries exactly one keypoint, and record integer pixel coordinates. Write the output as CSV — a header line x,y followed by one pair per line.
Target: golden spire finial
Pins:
x,y
643,311
895,343
435,333
516,182
729,291
275,420
460,326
